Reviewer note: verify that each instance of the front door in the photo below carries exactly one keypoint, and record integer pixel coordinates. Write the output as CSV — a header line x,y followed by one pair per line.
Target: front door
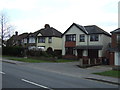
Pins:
x,y
93,53
80,53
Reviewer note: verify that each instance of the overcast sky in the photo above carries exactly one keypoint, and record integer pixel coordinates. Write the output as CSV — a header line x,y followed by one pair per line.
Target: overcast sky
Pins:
x,y
32,15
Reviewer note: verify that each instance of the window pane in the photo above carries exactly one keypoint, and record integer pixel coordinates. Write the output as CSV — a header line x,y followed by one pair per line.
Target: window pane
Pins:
x,y
25,40
82,38
31,40
71,37
50,40
94,37
41,39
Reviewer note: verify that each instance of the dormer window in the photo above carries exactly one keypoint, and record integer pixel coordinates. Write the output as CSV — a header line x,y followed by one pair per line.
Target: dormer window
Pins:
x,y
94,37
71,37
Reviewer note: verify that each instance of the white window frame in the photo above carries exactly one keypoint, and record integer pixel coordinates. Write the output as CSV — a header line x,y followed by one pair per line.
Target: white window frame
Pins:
x,y
25,40
31,40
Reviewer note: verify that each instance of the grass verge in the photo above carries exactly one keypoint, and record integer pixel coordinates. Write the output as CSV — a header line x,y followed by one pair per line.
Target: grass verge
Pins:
x,y
31,60
111,73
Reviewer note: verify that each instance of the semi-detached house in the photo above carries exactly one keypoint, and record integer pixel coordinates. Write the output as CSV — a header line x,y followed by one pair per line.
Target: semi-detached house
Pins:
x,y
49,38
86,42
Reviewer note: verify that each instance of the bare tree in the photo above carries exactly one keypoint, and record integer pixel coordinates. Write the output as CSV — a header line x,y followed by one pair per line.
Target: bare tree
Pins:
x,y
5,27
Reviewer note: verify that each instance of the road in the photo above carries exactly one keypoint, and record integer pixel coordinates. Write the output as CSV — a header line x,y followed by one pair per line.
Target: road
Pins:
x,y
21,76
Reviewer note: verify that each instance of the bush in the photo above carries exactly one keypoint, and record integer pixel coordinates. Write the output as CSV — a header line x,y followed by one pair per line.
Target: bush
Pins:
x,y
37,53
13,51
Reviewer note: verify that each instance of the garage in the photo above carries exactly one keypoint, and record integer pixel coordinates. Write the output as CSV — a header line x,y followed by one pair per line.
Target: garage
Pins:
x,y
117,58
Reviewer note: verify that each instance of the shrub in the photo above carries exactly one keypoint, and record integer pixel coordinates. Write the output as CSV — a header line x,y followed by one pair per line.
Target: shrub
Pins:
x,y
37,53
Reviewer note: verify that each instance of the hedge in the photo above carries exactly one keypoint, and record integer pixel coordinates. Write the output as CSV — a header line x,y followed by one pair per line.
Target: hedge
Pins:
x,y
13,51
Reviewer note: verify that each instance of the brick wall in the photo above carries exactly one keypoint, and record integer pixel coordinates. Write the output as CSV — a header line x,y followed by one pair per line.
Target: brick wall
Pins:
x,y
111,58
69,57
114,40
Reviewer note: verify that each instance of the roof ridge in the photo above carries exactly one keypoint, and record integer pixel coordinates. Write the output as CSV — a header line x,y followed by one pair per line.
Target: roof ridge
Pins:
x,y
82,28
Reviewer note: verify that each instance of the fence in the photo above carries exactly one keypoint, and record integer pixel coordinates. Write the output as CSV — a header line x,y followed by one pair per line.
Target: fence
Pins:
x,y
89,62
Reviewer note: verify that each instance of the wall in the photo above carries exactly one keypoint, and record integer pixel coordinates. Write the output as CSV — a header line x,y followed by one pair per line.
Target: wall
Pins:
x,y
114,40
56,43
105,41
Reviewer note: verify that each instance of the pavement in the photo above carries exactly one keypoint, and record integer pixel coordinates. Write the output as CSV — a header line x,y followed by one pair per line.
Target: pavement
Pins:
x,y
71,69
12,61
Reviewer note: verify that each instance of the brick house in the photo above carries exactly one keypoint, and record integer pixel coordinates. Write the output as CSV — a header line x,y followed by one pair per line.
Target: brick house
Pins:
x,y
113,53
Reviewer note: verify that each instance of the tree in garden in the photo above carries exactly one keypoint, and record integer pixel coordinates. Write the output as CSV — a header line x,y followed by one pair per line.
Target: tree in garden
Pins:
x,y
5,26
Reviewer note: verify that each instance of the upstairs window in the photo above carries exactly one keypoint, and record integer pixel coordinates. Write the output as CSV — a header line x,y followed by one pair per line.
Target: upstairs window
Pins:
x,y
82,38
94,37
41,39
71,37
49,39
31,40
25,40
118,39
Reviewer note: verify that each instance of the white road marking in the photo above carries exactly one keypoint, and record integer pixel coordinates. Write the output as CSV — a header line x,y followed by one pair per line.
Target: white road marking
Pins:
x,y
36,84
2,72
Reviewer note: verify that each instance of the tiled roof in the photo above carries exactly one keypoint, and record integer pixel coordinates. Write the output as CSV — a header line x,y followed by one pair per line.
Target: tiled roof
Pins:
x,y
47,32
24,35
116,31
50,32
18,37
91,29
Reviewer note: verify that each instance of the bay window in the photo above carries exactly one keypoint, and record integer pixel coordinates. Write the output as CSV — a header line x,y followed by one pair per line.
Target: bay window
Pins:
x,y
71,37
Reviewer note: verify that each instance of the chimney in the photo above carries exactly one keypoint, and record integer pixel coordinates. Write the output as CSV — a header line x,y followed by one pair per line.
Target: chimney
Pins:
x,y
16,33
47,26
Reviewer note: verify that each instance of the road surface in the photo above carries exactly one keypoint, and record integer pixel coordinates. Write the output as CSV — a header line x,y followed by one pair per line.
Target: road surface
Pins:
x,y
21,76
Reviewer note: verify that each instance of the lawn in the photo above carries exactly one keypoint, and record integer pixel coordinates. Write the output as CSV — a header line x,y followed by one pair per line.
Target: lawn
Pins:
x,y
31,60
111,73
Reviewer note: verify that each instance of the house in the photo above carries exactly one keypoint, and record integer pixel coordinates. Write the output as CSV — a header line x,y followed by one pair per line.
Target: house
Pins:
x,y
17,40
84,42
113,53
49,39
31,40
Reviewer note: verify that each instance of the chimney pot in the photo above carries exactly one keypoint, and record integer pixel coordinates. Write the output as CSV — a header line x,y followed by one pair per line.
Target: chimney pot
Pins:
x,y
16,33
47,26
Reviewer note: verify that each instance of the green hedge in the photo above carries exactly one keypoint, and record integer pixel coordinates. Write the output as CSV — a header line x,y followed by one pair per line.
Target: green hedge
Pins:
x,y
36,53
13,51
56,53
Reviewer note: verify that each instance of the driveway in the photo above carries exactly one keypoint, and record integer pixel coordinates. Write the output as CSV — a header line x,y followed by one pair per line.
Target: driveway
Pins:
x,y
69,68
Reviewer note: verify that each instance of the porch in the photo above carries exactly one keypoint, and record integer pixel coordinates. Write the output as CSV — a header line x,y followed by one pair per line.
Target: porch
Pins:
x,y
89,55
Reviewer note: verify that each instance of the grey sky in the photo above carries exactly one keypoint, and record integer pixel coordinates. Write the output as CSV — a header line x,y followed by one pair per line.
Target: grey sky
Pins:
x,y
31,15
